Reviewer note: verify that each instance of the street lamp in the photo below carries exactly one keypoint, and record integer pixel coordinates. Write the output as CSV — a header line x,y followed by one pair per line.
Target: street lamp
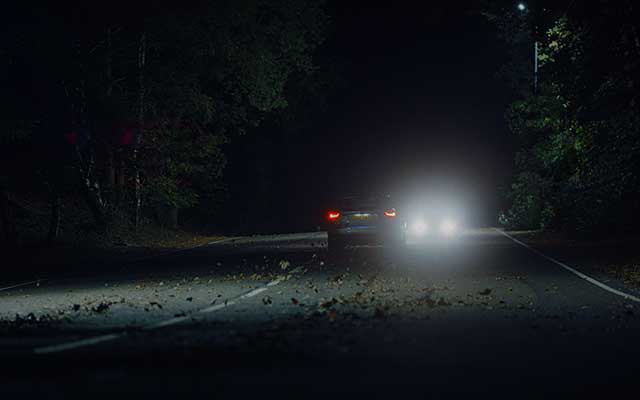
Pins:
x,y
522,8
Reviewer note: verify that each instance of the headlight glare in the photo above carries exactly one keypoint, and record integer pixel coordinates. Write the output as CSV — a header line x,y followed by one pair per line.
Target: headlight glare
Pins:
x,y
448,227
419,228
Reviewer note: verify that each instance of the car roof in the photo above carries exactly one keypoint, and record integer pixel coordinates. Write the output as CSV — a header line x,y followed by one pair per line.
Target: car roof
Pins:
x,y
363,201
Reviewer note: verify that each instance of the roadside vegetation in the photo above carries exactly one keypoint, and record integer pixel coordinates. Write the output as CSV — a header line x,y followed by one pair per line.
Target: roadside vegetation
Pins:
x,y
115,117
578,159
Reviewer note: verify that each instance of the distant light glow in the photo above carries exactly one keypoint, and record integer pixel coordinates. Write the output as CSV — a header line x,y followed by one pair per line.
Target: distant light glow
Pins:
x,y
448,227
419,228
390,213
522,7
333,215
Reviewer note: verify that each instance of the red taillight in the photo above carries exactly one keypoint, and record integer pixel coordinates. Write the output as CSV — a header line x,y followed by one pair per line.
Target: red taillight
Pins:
x,y
391,213
333,215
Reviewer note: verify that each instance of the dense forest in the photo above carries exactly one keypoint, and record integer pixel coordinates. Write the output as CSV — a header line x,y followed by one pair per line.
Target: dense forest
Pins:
x,y
577,127
119,116
127,111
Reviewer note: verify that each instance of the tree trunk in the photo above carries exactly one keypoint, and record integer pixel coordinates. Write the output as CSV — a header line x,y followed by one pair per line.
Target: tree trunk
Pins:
x,y
111,177
56,216
121,176
6,223
172,218
112,192
142,55
91,191
95,205
109,62
167,216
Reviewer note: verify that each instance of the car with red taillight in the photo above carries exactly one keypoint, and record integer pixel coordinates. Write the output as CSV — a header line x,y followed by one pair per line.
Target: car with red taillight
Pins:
x,y
364,220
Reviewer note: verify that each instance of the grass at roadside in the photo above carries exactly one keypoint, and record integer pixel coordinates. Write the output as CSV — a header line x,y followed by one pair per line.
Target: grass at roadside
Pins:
x,y
79,245
155,237
35,262
629,273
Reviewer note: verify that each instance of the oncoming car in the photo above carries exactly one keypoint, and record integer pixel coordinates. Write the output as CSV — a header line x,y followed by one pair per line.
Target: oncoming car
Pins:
x,y
433,221
364,220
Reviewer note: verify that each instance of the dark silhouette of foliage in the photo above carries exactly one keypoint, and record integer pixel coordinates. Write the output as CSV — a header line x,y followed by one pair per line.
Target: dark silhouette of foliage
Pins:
x,y
133,104
579,159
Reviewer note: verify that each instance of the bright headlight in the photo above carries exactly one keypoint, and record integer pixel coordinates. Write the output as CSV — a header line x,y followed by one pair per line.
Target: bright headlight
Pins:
x,y
448,227
419,228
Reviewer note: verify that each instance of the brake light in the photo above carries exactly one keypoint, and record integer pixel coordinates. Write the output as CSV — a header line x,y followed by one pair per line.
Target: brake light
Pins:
x,y
391,213
333,215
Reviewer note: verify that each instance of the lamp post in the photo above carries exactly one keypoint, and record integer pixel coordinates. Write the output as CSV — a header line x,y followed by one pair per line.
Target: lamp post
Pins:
x,y
523,8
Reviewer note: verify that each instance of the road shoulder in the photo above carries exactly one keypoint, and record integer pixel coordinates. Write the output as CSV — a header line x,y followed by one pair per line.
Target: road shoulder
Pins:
x,y
615,263
27,264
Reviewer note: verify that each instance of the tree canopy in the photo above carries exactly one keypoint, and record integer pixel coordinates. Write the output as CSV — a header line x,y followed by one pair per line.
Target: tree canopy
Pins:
x,y
132,104
579,160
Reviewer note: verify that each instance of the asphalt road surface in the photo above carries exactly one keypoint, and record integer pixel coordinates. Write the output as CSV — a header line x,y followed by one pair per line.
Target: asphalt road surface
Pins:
x,y
275,315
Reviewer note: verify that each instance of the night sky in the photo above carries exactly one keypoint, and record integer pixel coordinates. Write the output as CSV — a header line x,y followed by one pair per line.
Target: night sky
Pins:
x,y
421,110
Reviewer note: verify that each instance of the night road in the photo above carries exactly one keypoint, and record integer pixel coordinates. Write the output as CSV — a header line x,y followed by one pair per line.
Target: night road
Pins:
x,y
320,199
237,316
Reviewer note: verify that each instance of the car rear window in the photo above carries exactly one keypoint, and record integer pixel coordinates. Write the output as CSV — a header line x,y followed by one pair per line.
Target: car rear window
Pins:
x,y
363,203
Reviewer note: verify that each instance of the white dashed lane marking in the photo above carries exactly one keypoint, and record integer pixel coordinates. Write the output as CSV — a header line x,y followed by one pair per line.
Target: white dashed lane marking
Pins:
x,y
158,325
78,343
17,285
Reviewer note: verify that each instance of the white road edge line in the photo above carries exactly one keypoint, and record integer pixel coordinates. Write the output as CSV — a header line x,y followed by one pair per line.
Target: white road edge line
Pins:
x,y
22,284
573,270
173,321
